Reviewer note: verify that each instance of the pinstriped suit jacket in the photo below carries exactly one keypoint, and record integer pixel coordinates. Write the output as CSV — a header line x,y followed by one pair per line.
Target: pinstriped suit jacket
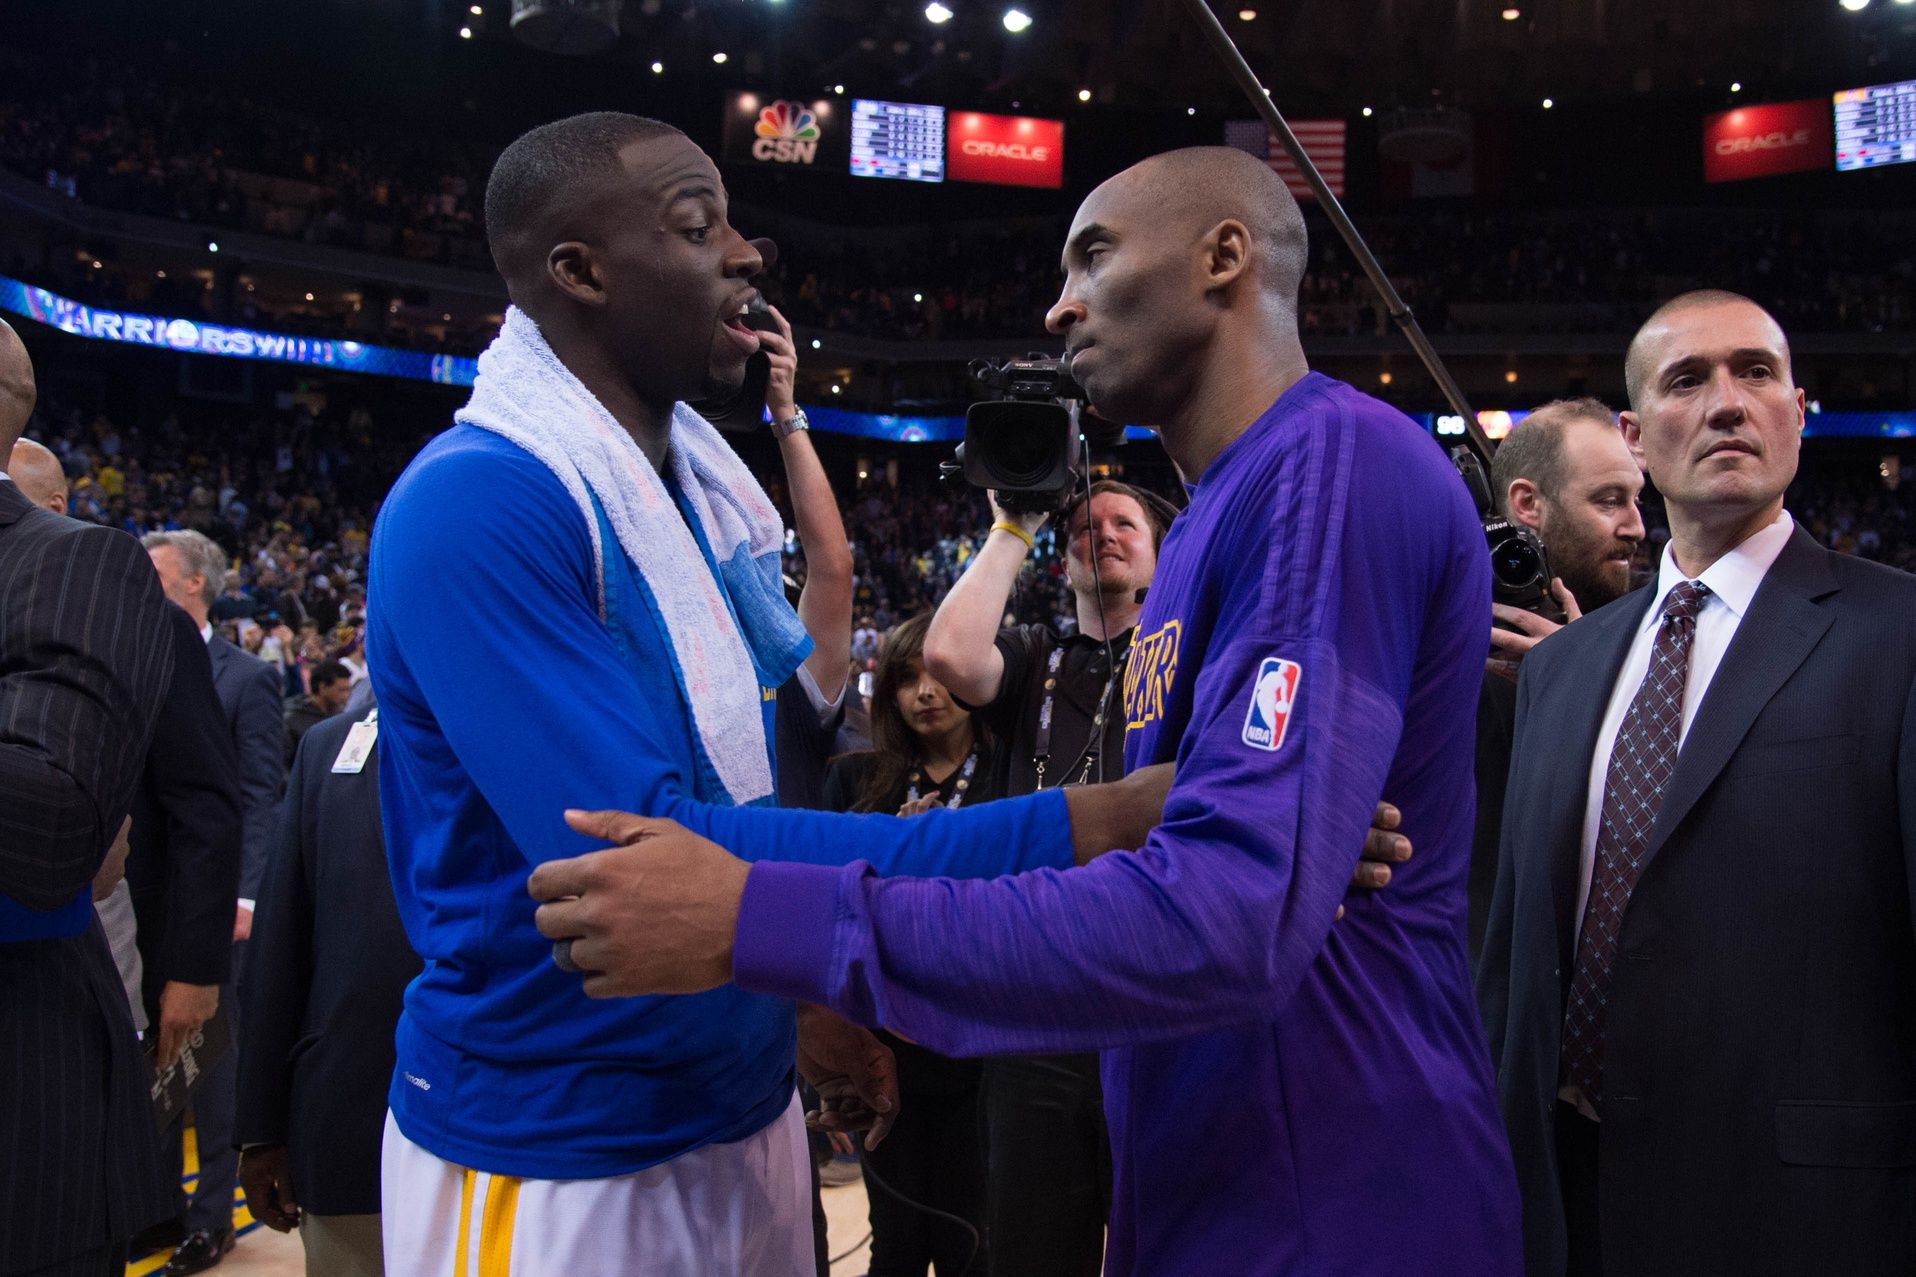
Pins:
x,y
84,657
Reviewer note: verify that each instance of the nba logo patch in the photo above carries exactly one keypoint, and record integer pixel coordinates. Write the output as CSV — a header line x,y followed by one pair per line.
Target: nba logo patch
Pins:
x,y
1271,698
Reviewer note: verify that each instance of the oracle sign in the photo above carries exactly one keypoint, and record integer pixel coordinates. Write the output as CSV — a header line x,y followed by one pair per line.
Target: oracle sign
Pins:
x,y
1008,150
1760,141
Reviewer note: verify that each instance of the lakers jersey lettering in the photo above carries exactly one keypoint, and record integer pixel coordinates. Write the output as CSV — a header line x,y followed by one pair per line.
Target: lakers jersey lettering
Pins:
x,y
1149,675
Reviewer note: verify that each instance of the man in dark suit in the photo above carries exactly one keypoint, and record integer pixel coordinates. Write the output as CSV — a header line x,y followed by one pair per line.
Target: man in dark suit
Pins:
x,y
82,648
1699,977
323,988
192,569
184,865
1565,473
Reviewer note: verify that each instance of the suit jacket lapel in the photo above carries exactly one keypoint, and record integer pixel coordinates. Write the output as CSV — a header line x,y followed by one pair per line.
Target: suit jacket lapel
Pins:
x,y
1582,707
366,798
219,651
1781,628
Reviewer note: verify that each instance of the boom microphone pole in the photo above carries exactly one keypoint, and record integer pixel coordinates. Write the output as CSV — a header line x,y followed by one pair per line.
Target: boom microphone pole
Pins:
x,y
1222,44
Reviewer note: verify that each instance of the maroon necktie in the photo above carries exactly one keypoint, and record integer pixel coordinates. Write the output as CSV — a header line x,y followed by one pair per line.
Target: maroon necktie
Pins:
x,y
1641,763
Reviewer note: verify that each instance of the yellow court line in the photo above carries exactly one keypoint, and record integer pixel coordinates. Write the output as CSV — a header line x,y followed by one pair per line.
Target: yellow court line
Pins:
x,y
243,1221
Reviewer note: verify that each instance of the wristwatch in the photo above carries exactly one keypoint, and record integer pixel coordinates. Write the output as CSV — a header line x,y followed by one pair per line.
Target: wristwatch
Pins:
x,y
791,425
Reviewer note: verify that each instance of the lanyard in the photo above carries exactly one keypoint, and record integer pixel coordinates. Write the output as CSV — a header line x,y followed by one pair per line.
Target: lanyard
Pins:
x,y
1041,746
957,798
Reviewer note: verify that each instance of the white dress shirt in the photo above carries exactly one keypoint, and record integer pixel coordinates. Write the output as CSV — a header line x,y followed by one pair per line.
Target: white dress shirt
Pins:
x,y
1733,580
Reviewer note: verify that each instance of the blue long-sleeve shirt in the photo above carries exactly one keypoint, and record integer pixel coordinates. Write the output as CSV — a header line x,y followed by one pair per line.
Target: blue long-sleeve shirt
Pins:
x,y
1286,1094
504,700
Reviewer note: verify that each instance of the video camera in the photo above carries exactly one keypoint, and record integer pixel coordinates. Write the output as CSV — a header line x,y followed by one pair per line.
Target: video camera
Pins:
x,y
1519,567
1030,444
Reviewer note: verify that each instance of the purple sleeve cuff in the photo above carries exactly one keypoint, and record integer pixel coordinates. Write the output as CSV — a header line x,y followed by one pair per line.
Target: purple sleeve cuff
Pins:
x,y
786,929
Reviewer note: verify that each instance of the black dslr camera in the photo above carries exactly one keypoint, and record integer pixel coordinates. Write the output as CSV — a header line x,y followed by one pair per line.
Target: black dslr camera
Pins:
x,y
1028,445
1519,568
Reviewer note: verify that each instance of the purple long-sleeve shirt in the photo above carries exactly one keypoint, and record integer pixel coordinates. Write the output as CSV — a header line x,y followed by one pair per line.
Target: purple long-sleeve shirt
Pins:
x,y
1287,1094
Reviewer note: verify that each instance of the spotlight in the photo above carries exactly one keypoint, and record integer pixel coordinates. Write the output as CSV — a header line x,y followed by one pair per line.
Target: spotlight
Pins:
x,y
937,14
309,297
1367,113
465,33
1854,6
1736,86
658,68
1383,379
719,58
212,246
817,344
1190,110
1510,378
839,89
1084,95
1247,15
918,299
1548,103
1512,13
1017,20
836,388
476,11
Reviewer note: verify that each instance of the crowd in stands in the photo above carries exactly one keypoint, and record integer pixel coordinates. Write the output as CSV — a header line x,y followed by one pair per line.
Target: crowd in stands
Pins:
x,y
1828,271
288,495
291,494
198,153
205,154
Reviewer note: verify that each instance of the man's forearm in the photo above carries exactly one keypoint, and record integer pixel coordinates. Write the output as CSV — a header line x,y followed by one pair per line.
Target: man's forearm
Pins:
x,y
825,606
961,645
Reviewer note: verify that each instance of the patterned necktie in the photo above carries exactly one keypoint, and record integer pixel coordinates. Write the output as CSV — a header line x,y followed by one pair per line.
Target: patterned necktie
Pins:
x,y
1641,763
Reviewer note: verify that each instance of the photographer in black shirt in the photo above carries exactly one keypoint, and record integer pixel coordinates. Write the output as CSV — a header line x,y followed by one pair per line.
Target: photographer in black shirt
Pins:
x,y
1564,473
1057,705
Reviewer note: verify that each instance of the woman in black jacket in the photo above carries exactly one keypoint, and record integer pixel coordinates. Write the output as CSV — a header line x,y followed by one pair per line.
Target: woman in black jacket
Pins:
x,y
926,751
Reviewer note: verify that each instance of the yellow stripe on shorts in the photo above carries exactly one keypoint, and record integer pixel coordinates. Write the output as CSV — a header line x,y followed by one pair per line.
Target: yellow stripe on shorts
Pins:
x,y
465,1226
495,1230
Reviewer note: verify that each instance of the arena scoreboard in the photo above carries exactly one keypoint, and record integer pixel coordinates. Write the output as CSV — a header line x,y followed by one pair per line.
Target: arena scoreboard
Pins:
x,y
1876,125
903,140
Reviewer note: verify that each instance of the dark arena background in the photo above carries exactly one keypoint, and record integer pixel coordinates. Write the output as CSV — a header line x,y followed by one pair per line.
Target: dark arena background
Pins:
x,y
244,245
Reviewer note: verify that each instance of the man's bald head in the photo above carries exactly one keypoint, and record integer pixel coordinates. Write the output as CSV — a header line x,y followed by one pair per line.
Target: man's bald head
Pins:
x,y
38,475
1638,362
1181,278
1200,186
17,390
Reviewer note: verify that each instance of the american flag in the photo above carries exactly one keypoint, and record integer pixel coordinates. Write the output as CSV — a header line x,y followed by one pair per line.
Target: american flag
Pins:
x,y
1323,141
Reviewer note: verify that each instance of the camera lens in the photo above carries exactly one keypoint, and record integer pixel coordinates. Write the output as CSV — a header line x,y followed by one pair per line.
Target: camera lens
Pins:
x,y
1515,563
1022,443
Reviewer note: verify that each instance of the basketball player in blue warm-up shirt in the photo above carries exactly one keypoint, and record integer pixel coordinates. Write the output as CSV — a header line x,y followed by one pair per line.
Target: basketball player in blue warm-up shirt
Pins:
x,y
1286,1096
575,602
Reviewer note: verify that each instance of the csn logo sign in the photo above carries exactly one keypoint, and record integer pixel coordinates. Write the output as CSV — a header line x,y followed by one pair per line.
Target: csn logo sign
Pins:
x,y
787,133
